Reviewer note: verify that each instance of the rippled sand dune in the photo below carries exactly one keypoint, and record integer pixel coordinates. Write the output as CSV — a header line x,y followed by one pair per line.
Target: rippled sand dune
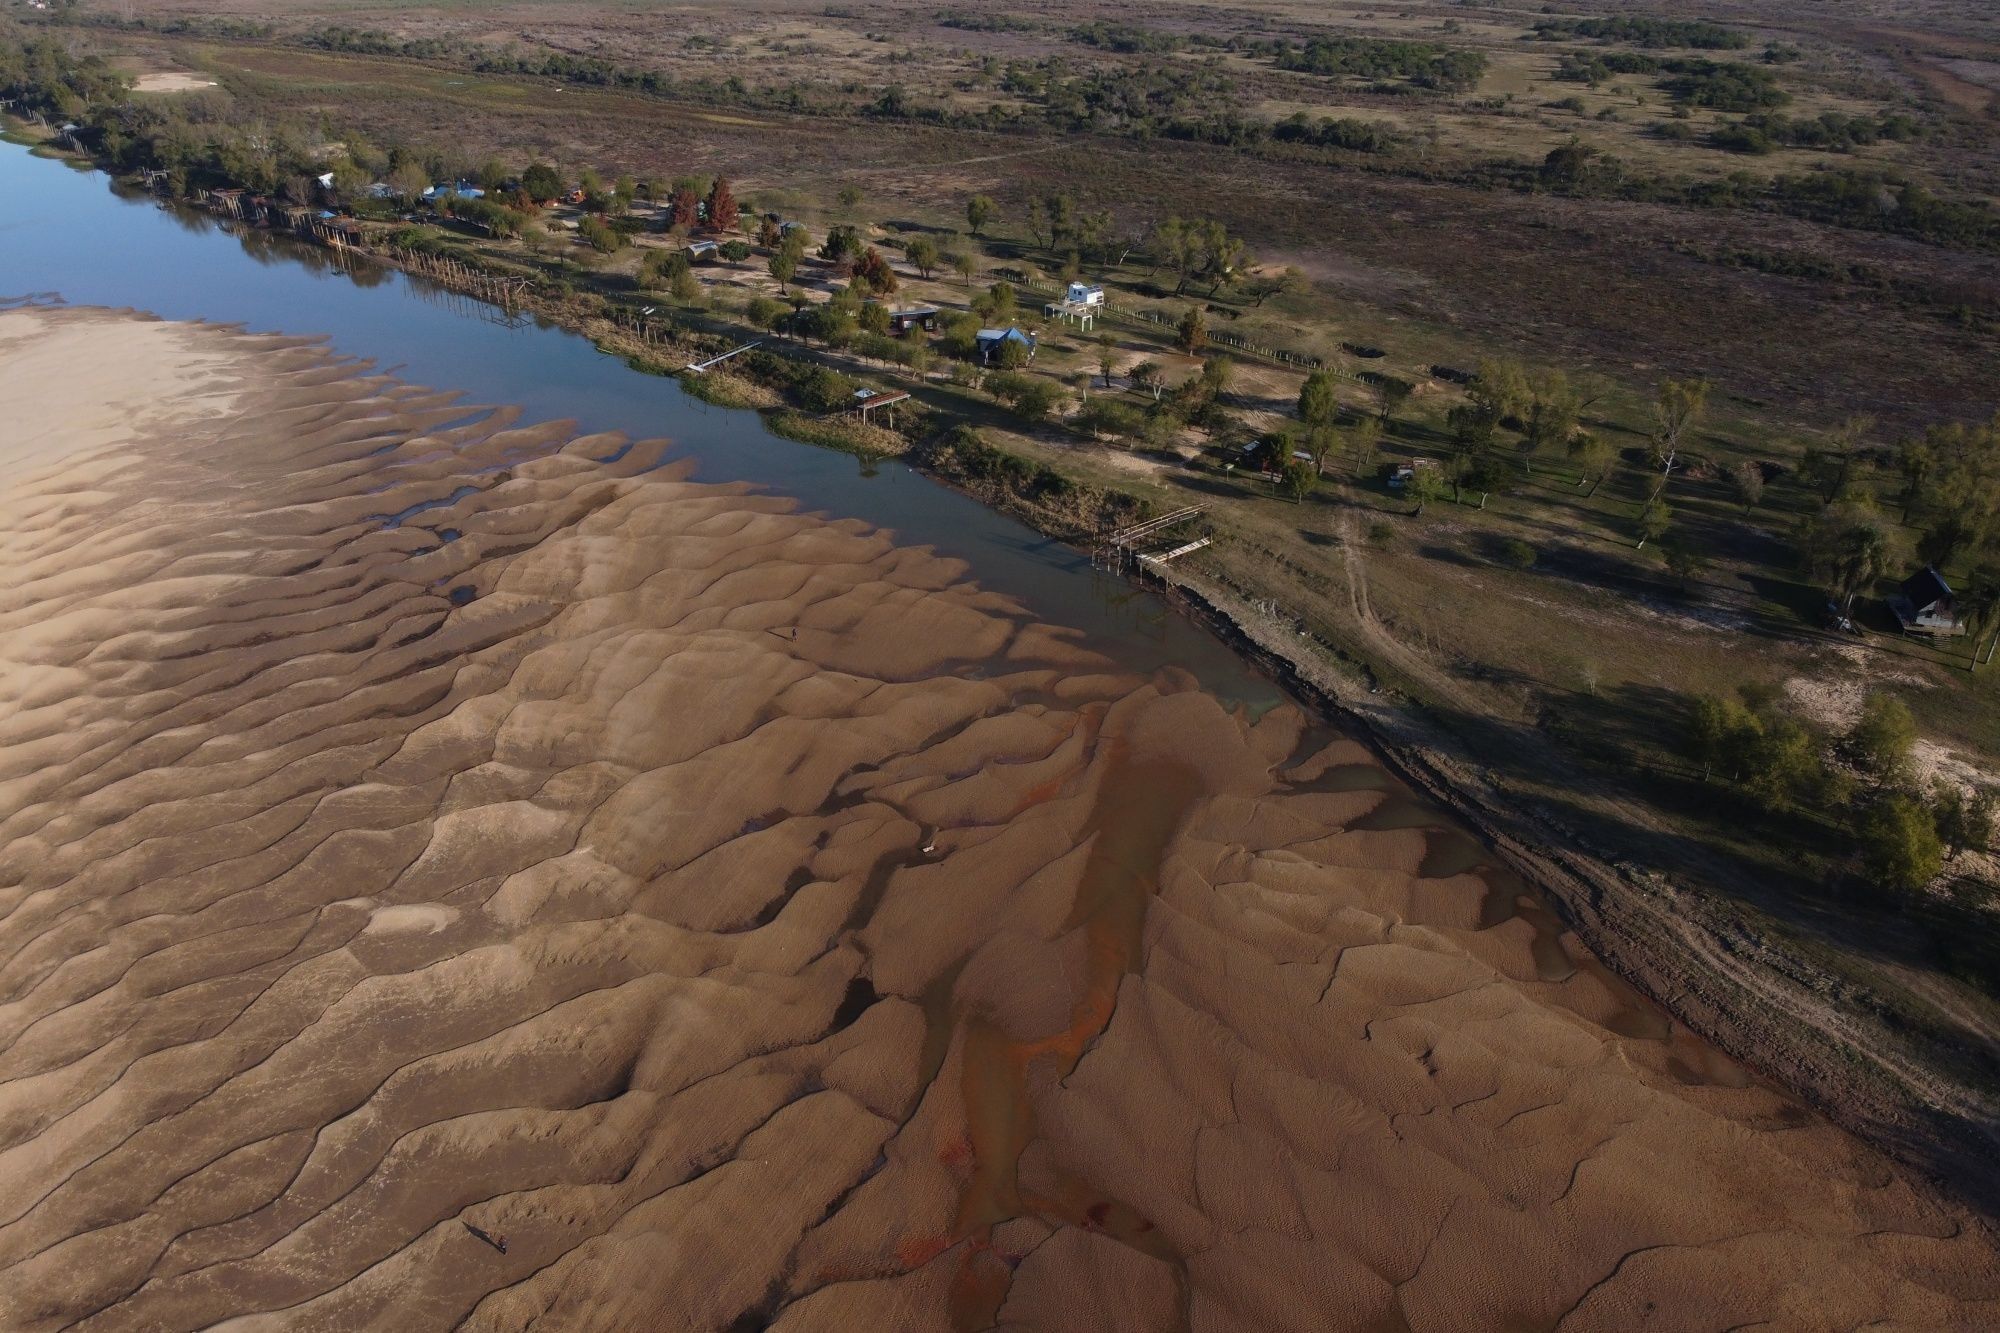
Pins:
x,y
454,873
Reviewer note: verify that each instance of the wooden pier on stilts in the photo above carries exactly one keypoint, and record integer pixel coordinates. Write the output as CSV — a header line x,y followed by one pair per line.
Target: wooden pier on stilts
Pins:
x,y
1121,547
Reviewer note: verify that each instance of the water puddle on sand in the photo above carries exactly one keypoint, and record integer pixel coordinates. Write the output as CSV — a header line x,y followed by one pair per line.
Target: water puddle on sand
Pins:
x,y
1138,809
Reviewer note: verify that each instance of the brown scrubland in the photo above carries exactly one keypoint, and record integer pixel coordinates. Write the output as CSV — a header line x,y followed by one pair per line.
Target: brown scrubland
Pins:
x,y
464,874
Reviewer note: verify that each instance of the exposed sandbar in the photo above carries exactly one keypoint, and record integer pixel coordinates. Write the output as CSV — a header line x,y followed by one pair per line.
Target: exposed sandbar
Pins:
x,y
419,833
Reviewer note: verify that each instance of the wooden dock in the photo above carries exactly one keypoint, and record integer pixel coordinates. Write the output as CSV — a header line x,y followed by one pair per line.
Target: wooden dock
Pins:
x,y
702,367
1152,527
1158,558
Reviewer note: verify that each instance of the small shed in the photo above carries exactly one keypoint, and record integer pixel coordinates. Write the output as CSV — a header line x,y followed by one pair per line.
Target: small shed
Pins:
x,y
991,341
923,317
1400,475
868,400
702,251
1083,293
1925,605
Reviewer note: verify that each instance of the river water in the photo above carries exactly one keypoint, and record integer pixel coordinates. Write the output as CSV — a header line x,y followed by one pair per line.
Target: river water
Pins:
x,y
66,232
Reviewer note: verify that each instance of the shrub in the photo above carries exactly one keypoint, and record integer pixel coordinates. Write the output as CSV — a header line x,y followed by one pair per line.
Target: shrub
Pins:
x,y
1518,553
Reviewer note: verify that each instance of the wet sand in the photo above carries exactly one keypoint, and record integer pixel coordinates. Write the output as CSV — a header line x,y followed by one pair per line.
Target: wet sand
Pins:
x,y
453,873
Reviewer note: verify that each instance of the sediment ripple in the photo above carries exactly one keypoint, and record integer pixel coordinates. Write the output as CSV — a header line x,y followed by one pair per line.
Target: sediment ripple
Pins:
x,y
460,873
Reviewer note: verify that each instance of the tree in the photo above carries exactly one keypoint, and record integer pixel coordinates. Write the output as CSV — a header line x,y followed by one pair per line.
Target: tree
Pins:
x,y
1223,257
1177,245
963,264
1654,520
541,182
736,250
1829,466
1298,478
1107,356
1275,450
491,175
923,254
1916,460
1032,397
1425,485
1593,456
686,288
1192,334
1392,393
1718,734
684,210
600,235
721,206
1500,389
1882,738
1361,437
872,270
996,303
1979,603
409,179
1747,479
1553,413
1677,405
1847,548
1104,415
849,197
978,212
1899,843
1965,820
1280,284
1148,375
1319,402
1684,556
784,265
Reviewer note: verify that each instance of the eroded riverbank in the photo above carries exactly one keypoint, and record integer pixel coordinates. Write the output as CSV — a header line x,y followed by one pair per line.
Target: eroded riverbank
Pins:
x,y
740,914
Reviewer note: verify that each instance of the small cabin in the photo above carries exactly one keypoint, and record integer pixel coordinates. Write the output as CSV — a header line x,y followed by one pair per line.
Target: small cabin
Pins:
x,y
914,317
1084,294
990,343
1925,605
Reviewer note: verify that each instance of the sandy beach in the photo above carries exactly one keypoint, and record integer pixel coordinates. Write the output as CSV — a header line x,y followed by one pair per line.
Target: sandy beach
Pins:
x,y
456,872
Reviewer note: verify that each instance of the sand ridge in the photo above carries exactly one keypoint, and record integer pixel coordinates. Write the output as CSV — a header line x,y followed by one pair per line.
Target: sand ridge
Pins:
x,y
420,830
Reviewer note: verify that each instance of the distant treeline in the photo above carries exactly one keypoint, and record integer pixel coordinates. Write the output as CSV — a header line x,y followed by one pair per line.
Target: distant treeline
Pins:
x,y
1148,100
1639,30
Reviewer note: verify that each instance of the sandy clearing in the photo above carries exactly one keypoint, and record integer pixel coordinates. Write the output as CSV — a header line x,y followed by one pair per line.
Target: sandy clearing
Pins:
x,y
674,924
172,82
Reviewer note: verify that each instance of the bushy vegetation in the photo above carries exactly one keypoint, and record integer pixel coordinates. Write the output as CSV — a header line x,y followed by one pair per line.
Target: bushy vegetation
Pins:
x,y
1852,794
1646,31
1347,132
1126,38
1420,64
1694,81
1832,131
